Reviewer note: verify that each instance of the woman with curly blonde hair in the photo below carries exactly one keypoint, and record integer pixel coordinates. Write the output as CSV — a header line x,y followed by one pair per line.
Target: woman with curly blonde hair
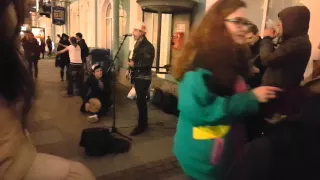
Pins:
x,y
212,93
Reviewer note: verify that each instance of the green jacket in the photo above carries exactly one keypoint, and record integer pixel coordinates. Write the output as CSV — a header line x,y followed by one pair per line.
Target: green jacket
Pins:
x,y
200,108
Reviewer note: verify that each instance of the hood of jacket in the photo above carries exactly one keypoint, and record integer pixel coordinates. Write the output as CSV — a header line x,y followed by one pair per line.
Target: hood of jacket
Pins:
x,y
295,21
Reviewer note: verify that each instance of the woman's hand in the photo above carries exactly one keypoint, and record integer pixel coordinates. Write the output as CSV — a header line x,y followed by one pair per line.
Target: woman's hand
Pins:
x,y
265,93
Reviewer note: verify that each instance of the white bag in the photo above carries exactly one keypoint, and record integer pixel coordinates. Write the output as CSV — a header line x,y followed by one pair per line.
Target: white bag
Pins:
x,y
132,93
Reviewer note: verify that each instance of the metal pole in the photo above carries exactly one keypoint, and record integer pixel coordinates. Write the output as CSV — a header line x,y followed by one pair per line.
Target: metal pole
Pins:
x,y
158,42
115,19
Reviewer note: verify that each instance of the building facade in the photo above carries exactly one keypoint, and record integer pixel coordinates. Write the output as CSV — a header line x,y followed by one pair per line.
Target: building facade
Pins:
x,y
104,22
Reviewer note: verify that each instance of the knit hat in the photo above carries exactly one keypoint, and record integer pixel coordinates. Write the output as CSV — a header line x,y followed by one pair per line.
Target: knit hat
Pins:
x,y
140,26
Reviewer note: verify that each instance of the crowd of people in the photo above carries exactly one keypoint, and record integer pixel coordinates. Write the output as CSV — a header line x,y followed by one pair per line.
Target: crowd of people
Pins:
x,y
249,115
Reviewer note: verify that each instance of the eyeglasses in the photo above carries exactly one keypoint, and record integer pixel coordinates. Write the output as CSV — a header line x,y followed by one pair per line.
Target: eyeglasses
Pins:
x,y
239,21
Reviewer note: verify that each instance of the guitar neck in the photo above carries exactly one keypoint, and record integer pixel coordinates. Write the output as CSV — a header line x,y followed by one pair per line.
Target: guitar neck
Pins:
x,y
129,56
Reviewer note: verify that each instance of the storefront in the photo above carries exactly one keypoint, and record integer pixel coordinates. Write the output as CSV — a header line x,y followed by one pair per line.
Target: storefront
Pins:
x,y
103,27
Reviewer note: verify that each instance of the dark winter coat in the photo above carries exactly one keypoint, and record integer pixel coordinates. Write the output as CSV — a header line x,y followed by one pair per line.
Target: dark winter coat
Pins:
x,y
91,89
64,58
255,80
31,49
287,63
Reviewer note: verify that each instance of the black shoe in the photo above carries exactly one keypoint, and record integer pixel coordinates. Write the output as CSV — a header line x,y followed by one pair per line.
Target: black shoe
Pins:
x,y
137,131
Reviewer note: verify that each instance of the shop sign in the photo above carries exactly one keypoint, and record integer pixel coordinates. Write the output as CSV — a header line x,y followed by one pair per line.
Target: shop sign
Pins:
x,y
58,15
181,27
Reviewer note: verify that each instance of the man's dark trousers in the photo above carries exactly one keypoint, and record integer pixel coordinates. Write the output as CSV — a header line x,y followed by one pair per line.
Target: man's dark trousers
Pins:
x,y
142,89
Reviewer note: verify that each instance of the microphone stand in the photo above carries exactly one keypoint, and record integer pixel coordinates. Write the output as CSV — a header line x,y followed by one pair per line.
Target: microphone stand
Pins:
x,y
113,128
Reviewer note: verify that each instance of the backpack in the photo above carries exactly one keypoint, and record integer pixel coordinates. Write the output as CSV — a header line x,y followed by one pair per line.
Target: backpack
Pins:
x,y
170,104
99,142
167,102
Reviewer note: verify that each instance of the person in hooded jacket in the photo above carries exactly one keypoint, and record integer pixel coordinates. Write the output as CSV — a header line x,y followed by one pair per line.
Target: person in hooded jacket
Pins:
x,y
287,63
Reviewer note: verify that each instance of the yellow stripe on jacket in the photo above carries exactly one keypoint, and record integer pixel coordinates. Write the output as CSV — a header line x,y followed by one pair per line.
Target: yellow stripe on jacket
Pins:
x,y
210,132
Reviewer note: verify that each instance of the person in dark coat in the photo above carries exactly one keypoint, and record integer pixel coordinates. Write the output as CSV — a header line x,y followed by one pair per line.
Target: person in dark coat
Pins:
x,y
49,45
42,48
96,92
142,60
64,59
286,64
253,39
84,48
255,123
32,52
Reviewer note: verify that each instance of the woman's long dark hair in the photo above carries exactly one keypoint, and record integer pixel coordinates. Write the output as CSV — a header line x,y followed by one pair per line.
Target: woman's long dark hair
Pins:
x,y
16,82
211,47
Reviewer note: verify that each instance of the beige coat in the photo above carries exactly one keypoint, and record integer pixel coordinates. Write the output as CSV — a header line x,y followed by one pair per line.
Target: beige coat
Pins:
x,y
19,159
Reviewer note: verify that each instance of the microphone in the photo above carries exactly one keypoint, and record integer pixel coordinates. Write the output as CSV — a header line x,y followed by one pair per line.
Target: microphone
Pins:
x,y
127,34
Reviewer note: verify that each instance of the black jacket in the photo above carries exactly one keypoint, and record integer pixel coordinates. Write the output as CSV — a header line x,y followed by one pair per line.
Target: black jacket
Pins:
x,y
91,89
84,49
286,64
65,59
143,56
255,80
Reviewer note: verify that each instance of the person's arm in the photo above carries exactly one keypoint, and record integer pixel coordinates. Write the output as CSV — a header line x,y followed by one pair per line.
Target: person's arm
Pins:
x,y
62,45
276,57
63,51
147,60
213,109
221,109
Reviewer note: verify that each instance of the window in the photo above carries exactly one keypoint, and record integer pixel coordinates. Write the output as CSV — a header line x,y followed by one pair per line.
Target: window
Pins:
x,y
122,22
108,37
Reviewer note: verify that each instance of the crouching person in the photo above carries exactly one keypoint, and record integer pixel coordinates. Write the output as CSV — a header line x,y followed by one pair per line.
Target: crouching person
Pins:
x,y
96,95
